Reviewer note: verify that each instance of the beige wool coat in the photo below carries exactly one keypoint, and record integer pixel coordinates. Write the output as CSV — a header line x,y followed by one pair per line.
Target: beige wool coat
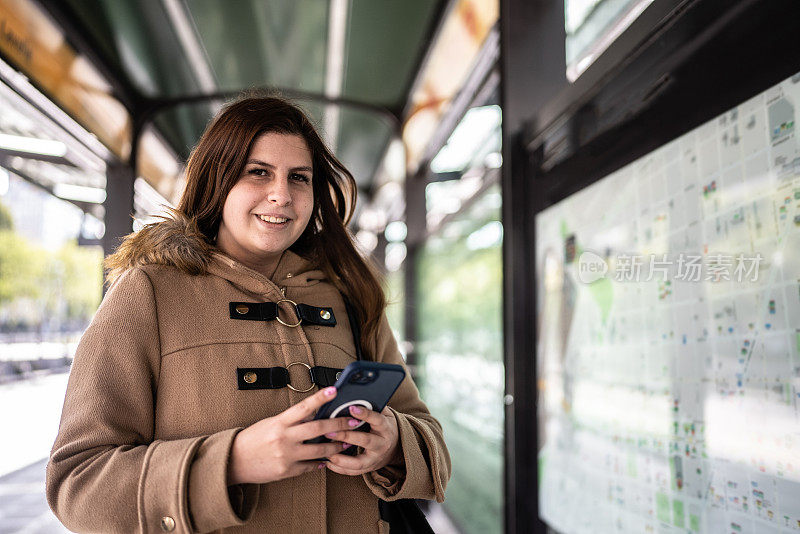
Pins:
x,y
152,405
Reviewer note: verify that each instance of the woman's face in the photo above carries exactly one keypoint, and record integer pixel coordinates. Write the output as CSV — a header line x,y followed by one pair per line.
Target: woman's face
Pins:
x,y
270,205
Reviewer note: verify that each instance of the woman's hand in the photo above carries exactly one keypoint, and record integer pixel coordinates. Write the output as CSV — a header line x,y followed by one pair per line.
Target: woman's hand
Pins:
x,y
273,448
381,444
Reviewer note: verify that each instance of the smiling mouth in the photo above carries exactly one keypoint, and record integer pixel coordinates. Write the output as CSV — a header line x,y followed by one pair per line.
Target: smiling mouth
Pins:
x,y
273,220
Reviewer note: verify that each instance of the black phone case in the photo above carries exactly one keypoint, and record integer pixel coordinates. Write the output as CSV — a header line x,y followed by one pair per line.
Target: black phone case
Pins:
x,y
377,393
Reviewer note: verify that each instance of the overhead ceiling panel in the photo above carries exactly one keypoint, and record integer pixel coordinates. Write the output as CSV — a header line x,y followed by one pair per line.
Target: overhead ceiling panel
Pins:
x,y
361,143
385,42
138,37
280,43
182,125
162,50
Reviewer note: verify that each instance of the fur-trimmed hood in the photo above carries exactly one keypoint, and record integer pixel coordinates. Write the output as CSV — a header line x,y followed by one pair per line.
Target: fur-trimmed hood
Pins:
x,y
177,241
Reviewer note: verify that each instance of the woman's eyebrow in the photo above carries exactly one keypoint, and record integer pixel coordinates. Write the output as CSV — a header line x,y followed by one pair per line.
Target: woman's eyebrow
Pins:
x,y
265,164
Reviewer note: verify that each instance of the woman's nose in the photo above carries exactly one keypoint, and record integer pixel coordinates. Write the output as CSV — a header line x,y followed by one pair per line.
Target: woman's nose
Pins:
x,y
279,191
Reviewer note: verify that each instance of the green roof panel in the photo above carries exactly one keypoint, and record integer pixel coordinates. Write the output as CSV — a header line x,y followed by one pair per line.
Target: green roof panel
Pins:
x,y
361,143
280,43
384,44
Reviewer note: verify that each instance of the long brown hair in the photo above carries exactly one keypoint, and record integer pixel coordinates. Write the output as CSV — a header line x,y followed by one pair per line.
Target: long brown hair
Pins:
x,y
217,162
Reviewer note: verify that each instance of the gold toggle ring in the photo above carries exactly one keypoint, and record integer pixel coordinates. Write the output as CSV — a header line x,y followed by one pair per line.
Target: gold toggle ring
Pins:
x,y
278,316
290,386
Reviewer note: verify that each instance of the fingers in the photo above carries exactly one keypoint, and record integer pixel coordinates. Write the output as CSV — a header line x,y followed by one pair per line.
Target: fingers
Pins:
x,y
313,429
377,421
344,471
306,467
353,437
349,465
307,407
319,450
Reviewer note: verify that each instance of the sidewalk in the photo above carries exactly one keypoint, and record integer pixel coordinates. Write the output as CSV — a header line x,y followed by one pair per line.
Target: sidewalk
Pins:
x,y
23,506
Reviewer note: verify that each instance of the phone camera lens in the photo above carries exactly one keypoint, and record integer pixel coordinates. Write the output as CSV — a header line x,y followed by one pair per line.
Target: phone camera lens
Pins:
x,y
363,377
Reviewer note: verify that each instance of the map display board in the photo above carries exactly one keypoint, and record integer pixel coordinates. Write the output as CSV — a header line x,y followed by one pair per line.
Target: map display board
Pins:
x,y
668,347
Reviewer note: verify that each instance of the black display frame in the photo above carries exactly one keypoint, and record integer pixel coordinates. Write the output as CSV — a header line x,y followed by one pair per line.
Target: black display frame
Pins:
x,y
678,66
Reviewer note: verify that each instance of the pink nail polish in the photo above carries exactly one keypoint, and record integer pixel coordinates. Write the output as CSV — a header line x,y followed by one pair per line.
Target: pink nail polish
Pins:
x,y
353,423
330,435
345,445
330,391
321,466
356,410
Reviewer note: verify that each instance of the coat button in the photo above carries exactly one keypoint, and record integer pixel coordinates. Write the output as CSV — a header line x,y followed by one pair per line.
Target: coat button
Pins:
x,y
325,314
241,309
167,524
250,377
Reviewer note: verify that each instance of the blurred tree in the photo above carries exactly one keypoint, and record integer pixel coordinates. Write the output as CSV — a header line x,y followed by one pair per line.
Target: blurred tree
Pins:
x,y
48,289
21,268
461,311
6,220
82,285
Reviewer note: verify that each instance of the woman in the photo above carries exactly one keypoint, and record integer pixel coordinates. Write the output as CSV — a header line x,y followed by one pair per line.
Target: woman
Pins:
x,y
191,394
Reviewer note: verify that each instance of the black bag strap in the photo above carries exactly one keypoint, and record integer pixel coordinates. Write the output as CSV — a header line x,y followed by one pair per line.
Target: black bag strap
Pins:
x,y
403,515
355,327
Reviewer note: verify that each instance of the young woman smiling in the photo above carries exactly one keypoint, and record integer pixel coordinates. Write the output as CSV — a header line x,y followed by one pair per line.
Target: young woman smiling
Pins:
x,y
191,392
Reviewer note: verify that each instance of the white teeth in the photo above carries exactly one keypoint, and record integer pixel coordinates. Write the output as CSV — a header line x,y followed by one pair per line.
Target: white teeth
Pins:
x,y
272,219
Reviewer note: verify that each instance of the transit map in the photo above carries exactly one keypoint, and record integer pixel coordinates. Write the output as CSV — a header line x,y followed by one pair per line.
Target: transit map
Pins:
x,y
668,345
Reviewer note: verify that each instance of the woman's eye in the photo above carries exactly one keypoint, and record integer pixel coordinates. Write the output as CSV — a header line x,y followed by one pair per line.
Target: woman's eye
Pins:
x,y
258,172
301,178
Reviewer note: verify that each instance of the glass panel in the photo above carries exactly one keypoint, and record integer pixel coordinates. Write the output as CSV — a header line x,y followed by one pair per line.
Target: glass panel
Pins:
x,y
384,42
361,143
449,62
460,352
255,43
476,136
668,341
592,25
135,35
182,125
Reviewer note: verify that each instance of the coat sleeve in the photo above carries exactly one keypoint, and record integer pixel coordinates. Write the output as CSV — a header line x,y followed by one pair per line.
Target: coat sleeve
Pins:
x,y
426,460
106,472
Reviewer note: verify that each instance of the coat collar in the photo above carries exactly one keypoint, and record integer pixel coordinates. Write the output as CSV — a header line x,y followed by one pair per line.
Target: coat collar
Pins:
x,y
292,271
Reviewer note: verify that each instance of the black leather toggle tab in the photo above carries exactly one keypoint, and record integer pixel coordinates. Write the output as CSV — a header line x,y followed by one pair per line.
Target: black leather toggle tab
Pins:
x,y
315,315
262,377
254,311
325,376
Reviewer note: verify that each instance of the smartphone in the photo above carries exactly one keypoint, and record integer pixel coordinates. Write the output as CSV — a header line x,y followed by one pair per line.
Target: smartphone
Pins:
x,y
362,383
